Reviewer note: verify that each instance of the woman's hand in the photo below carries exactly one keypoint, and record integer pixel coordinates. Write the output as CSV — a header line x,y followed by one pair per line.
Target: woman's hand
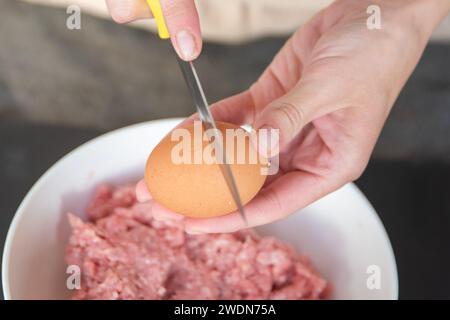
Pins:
x,y
328,91
180,16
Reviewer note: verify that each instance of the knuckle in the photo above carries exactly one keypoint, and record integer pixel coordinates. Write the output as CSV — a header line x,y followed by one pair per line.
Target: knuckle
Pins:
x,y
123,11
272,200
121,16
289,116
175,10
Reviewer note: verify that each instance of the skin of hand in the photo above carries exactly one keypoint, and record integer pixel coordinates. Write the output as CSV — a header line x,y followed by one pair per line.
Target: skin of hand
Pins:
x,y
181,18
329,91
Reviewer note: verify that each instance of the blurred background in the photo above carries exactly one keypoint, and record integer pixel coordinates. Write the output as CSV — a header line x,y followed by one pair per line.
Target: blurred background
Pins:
x,y
61,87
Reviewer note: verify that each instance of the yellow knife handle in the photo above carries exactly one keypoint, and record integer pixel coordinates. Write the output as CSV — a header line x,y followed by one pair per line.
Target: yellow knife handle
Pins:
x,y
155,8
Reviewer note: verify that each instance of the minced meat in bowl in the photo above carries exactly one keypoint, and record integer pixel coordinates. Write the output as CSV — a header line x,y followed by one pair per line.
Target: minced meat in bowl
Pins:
x,y
124,253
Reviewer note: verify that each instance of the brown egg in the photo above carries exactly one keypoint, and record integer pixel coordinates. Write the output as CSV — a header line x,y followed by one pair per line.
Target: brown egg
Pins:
x,y
182,173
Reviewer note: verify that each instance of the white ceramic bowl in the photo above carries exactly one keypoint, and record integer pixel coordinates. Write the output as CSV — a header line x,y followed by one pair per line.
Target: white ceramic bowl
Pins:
x,y
341,233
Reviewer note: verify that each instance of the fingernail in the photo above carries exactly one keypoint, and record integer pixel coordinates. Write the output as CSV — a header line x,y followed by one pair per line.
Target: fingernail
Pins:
x,y
186,44
268,141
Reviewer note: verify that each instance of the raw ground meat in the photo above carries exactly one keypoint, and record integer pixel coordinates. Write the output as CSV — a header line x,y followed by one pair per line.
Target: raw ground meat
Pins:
x,y
123,253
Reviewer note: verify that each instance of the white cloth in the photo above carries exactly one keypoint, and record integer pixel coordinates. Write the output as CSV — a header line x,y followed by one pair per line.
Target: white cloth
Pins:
x,y
238,20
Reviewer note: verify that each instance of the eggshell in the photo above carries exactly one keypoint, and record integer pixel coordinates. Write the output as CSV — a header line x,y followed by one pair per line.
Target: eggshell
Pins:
x,y
198,189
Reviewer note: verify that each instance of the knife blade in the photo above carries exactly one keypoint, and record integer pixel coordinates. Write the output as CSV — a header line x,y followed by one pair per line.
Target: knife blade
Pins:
x,y
196,90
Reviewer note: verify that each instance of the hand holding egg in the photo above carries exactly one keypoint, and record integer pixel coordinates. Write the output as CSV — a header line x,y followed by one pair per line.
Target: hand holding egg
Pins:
x,y
329,96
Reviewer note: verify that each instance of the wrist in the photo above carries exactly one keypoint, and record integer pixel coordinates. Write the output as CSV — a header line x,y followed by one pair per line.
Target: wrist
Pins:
x,y
426,15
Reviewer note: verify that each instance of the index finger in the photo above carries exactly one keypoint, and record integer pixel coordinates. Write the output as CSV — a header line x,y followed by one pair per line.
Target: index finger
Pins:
x,y
290,192
180,16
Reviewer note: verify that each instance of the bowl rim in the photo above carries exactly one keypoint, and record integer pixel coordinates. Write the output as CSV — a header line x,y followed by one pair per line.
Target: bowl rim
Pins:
x,y
391,254
41,180
18,215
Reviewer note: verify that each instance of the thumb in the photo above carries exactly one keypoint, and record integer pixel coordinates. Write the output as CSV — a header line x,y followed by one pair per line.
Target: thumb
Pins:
x,y
283,119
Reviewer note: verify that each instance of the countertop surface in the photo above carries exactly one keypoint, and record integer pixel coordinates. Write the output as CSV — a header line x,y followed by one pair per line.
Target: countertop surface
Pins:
x,y
412,199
